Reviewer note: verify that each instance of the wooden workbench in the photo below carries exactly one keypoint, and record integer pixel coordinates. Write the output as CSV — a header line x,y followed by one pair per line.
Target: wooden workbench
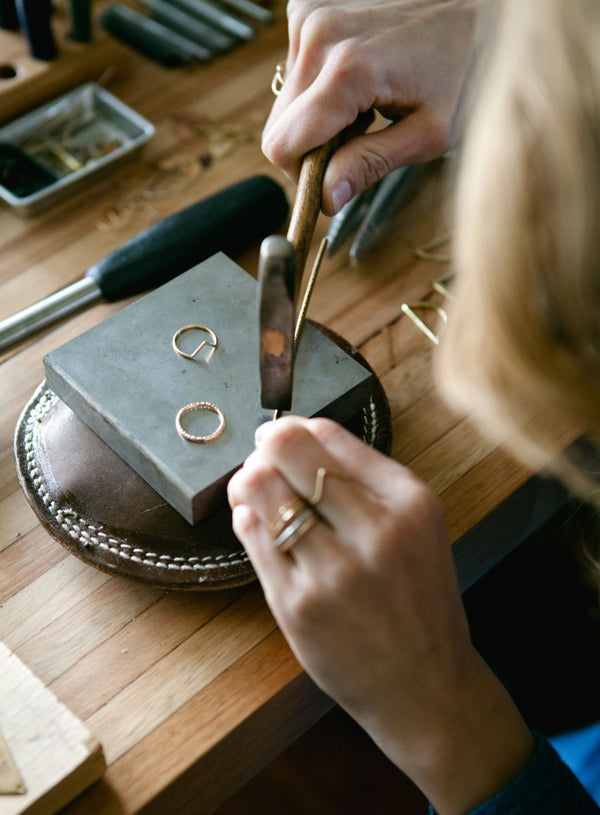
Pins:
x,y
190,694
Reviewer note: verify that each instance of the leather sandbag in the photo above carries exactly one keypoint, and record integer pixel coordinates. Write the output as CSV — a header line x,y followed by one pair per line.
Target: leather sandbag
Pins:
x,y
96,506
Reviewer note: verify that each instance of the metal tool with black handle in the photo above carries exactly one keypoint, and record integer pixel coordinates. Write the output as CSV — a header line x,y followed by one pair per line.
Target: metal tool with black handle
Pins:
x,y
229,221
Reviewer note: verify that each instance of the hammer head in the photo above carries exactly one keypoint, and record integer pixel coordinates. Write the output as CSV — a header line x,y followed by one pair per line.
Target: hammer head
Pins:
x,y
276,271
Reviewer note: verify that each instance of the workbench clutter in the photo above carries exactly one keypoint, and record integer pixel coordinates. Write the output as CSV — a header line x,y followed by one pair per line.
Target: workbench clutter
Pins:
x,y
125,450
49,48
55,149
130,495
184,32
33,18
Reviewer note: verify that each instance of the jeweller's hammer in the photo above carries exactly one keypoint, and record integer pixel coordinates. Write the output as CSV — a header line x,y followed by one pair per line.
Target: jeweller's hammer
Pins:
x,y
280,272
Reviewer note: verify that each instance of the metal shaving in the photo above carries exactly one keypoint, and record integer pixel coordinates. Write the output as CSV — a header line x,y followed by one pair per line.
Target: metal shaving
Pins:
x,y
201,142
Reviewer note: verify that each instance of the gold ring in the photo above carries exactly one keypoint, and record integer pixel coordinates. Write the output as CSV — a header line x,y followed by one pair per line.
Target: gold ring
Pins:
x,y
322,473
205,343
200,406
286,513
296,528
277,81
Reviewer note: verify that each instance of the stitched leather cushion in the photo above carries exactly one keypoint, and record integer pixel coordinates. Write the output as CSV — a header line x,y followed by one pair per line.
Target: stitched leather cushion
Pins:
x,y
96,506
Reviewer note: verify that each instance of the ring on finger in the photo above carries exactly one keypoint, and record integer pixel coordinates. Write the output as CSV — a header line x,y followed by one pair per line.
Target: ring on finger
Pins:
x,y
320,477
286,513
296,528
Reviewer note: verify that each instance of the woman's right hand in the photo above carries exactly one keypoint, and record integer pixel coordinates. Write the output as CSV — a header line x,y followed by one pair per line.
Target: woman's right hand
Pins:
x,y
407,59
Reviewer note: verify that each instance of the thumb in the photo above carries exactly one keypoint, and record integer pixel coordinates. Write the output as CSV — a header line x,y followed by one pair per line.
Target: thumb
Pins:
x,y
363,160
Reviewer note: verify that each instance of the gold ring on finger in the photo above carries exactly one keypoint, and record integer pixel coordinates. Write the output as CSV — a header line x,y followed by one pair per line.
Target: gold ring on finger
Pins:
x,y
321,475
286,513
295,529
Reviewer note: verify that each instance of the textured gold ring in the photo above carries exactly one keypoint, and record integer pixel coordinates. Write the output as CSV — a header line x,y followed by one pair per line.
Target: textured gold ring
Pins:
x,y
205,343
191,408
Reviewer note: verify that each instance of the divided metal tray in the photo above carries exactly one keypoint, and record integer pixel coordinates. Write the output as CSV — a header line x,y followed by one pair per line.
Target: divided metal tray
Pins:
x,y
75,138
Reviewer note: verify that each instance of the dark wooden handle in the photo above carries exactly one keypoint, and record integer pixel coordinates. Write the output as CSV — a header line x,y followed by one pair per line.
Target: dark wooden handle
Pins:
x,y
308,204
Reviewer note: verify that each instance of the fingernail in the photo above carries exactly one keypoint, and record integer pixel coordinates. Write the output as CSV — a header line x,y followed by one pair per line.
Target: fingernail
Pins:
x,y
340,194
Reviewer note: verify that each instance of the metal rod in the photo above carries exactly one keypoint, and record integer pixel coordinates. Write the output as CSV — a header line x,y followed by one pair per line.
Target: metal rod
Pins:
x,y
308,293
47,311
253,10
301,319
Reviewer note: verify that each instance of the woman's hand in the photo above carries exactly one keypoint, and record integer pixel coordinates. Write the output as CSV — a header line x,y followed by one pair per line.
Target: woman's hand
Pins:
x,y
369,602
406,59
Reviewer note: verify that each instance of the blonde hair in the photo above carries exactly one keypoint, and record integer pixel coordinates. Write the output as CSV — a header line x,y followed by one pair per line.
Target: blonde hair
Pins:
x,y
521,352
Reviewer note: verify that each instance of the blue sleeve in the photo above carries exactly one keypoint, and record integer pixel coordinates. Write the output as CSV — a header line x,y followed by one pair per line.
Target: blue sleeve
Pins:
x,y
546,787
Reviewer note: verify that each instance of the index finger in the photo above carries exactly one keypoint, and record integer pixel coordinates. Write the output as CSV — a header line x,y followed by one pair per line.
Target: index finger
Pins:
x,y
292,450
375,471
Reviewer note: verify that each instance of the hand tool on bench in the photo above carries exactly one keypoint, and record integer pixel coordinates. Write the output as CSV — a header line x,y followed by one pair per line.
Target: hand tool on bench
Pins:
x,y
281,269
132,398
231,221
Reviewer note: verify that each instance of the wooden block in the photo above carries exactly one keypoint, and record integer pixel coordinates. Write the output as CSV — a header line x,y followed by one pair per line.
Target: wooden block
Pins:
x,y
55,754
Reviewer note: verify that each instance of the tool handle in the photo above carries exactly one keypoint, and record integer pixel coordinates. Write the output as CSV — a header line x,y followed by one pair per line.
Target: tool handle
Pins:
x,y
8,15
230,221
34,19
149,37
308,204
80,12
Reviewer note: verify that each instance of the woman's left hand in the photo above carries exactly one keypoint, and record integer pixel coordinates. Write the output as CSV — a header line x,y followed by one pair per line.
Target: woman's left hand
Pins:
x,y
350,594
368,600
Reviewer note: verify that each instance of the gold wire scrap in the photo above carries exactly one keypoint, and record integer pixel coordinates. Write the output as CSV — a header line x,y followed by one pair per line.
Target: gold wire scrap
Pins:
x,y
409,310
427,250
438,284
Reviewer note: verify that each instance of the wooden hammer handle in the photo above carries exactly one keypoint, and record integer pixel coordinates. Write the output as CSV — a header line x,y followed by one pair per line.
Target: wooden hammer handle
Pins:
x,y
308,204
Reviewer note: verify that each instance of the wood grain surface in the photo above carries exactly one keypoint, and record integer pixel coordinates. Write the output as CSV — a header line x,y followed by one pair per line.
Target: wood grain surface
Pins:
x,y
191,695
36,728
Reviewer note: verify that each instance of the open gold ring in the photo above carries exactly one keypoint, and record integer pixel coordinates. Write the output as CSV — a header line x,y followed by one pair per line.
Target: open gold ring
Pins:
x,y
322,473
212,343
277,81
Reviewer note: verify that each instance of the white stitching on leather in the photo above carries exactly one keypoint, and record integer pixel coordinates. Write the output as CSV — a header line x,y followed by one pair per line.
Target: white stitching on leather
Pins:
x,y
89,535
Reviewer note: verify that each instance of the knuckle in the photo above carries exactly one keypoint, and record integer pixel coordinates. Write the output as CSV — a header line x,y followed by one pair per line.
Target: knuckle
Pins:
x,y
326,429
253,478
384,550
285,438
373,165
426,504
305,606
319,24
344,64
245,523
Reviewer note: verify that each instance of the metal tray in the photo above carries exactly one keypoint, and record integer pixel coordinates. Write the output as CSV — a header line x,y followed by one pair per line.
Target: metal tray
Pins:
x,y
78,136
